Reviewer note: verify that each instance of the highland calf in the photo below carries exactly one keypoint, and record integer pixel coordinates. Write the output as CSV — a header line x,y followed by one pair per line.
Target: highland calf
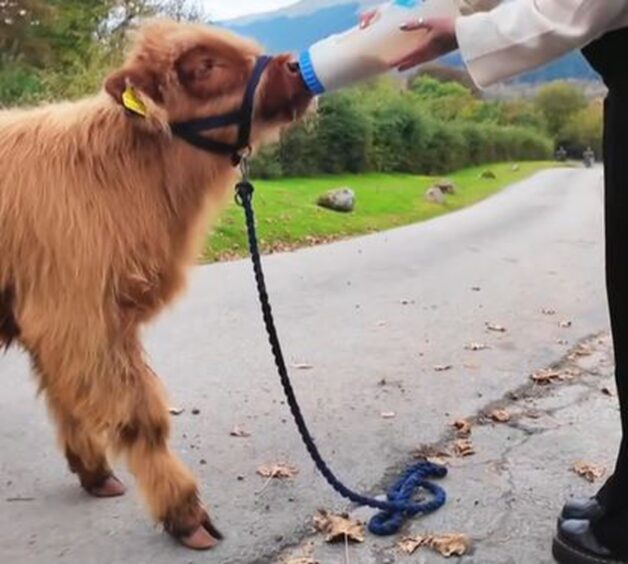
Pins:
x,y
101,211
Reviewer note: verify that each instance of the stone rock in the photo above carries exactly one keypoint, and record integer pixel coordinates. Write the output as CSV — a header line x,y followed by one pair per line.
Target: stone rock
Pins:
x,y
340,200
488,175
446,186
435,195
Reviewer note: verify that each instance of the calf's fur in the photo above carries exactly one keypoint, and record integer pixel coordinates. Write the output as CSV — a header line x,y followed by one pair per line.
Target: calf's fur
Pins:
x,y
101,213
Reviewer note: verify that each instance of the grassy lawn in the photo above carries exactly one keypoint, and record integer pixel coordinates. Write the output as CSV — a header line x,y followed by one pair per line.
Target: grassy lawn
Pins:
x,y
288,217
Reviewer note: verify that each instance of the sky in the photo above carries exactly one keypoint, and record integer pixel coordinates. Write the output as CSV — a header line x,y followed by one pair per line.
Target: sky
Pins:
x,y
225,9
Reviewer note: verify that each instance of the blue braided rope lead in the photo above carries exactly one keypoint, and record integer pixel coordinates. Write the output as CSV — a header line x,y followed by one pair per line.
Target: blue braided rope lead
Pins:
x,y
399,507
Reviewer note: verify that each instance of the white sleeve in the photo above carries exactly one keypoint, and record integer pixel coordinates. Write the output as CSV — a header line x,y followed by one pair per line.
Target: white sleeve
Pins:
x,y
520,35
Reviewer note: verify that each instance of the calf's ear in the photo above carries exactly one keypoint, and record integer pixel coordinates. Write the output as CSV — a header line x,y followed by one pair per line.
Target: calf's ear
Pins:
x,y
133,87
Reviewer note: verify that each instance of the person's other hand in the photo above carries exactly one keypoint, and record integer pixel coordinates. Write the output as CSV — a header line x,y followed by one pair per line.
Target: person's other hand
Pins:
x,y
439,39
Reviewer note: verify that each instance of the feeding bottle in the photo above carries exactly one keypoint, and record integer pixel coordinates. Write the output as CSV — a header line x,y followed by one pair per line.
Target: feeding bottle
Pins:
x,y
361,53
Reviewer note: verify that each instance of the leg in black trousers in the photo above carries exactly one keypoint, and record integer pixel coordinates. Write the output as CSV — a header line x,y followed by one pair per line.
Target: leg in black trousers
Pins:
x,y
612,529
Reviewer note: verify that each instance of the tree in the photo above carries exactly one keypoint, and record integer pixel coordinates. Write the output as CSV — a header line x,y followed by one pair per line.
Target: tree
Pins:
x,y
345,133
584,129
558,102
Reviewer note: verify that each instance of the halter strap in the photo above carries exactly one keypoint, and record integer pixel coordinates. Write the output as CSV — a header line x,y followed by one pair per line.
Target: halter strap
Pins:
x,y
190,130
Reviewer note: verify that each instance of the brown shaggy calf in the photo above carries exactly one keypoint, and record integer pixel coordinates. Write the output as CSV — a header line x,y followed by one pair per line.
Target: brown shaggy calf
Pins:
x,y
100,215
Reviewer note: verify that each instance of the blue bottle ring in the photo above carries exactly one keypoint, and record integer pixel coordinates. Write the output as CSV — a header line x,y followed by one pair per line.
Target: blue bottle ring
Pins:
x,y
313,83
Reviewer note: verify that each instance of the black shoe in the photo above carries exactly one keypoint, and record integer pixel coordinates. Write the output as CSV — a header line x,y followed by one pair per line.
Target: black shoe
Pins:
x,y
587,509
575,543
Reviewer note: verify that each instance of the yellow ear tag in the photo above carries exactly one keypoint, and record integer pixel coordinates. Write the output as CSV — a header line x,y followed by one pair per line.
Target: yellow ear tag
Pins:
x,y
132,103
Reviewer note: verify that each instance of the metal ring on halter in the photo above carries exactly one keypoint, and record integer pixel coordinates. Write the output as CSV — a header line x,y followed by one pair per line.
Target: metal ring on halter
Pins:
x,y
245,167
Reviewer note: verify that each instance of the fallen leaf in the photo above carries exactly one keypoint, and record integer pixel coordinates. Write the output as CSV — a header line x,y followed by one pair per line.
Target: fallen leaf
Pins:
x,y
176,410
496,328
302,366
446,545
238,431
545,377
565,324
590,472
442,367
278,471
388,414
607,391
582,350
431,454
500,416
462,427
338,528
476,347
547,311
408,545
450,545
463,448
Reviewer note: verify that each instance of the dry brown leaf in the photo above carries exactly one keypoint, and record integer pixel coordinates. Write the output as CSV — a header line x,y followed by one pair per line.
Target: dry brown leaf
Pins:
x,y
496,328
545,376
500,416
590,472
302,366
238,431
476,347
408,545
388,414
279,471
583,350
439,460
338,528
442,367
176,410
450,545
446,545
463,448
462,427
432,454
565,324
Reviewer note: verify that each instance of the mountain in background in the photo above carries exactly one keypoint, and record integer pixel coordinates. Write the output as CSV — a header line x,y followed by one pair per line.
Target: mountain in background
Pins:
x,y
296,27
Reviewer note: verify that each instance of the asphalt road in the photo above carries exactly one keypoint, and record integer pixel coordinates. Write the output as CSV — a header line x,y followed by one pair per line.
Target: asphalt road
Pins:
x,y
372,317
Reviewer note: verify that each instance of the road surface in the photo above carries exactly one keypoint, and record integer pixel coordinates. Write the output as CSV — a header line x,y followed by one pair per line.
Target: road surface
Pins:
x,y
372,317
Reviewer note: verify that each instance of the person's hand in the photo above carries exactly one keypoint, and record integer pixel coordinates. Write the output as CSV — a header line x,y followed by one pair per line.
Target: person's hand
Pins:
x,y
440,39
367,18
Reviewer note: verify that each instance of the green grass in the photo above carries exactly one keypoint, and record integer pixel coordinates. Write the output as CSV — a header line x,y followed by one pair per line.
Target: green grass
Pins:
x,y
288,217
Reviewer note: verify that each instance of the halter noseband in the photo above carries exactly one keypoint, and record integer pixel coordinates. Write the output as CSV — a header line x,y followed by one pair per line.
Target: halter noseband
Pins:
x,y
190,131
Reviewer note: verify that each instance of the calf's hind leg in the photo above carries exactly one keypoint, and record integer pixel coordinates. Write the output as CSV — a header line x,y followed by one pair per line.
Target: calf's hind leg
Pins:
x,y
86,454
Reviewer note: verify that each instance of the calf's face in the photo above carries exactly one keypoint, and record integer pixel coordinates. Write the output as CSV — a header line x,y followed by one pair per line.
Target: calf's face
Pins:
x,y
182,72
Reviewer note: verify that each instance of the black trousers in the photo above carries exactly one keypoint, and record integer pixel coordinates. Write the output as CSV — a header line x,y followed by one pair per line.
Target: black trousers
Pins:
x,y
612,530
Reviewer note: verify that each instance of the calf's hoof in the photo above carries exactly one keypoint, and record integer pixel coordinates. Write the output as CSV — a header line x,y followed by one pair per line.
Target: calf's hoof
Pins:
x,y
203,536
109,487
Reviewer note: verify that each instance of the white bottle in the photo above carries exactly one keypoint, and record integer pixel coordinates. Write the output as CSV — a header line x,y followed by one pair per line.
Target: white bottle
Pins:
x,y
361,53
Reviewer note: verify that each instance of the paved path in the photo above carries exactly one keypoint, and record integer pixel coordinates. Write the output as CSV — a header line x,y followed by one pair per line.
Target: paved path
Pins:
x,y
372,316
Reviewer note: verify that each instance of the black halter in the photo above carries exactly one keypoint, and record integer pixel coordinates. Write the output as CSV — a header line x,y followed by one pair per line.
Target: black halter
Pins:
x,y
190,131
